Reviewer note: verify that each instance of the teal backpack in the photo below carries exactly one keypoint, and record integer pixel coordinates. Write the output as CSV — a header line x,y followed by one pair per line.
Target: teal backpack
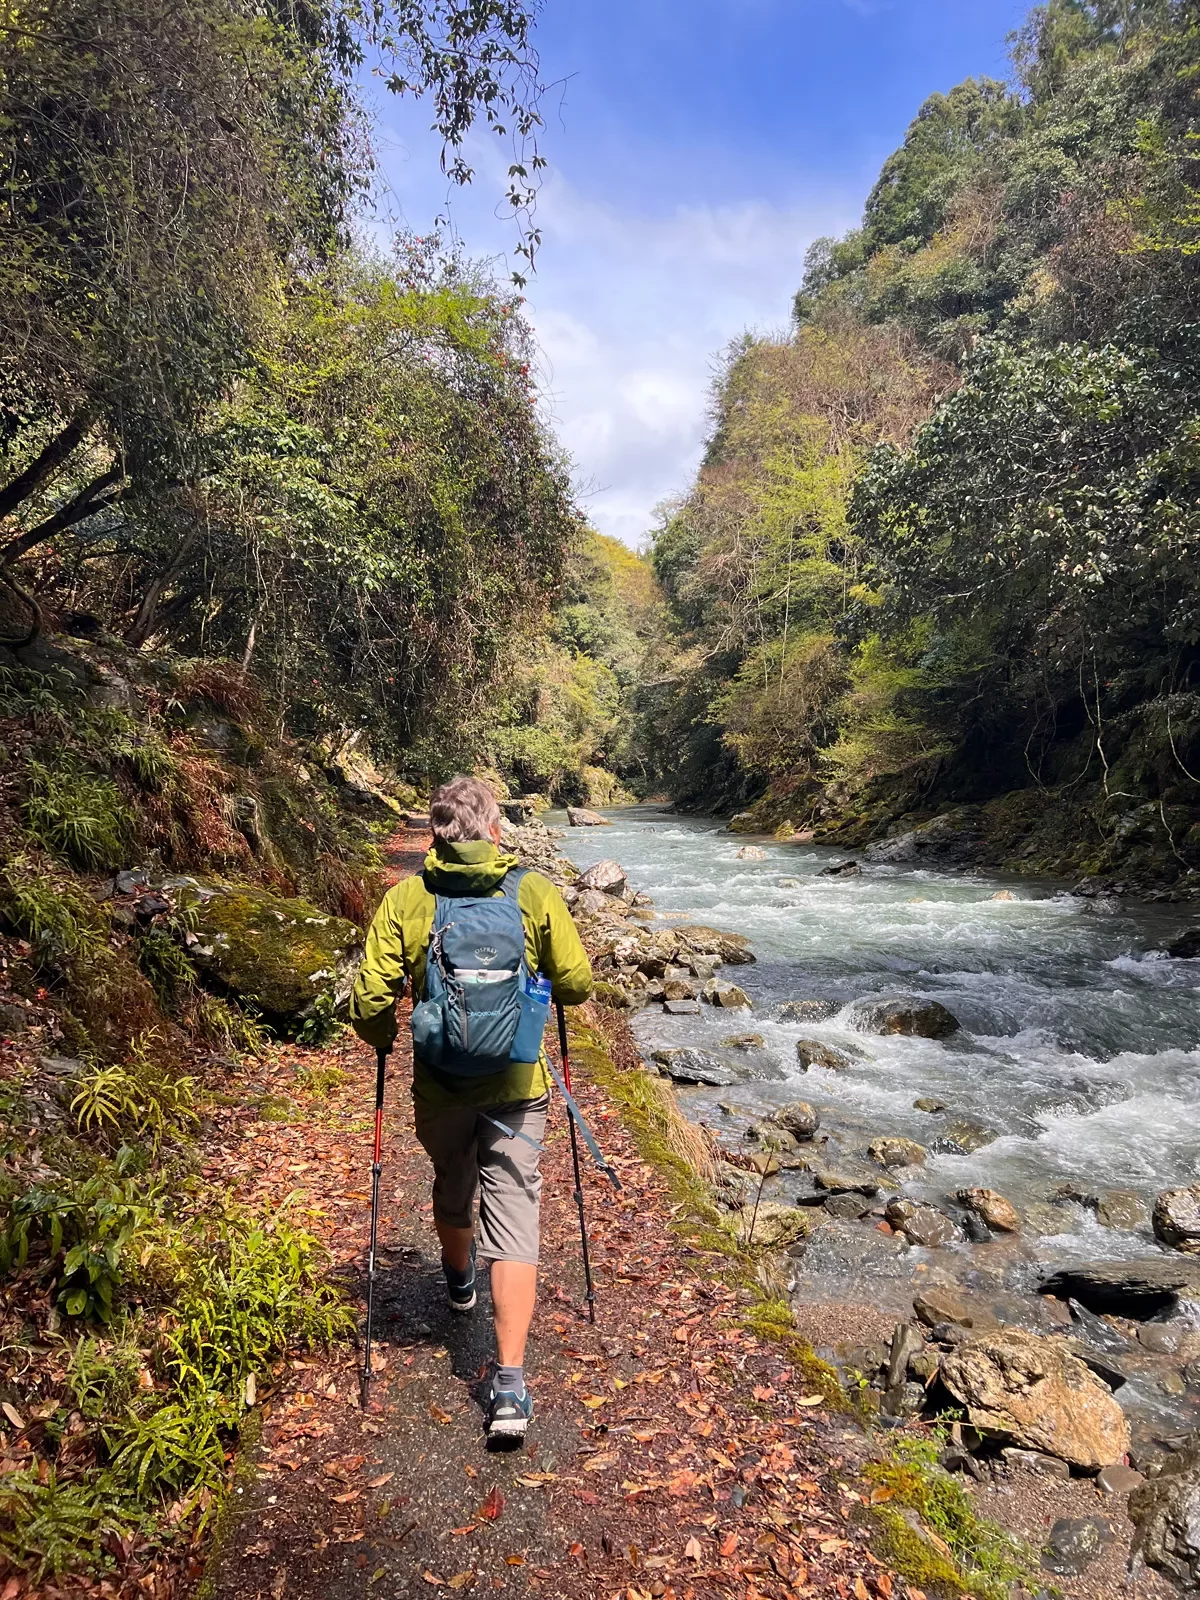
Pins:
x,y
482,1008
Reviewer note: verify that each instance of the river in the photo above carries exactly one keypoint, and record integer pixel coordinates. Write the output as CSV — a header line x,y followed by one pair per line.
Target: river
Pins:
x,y
1078,1042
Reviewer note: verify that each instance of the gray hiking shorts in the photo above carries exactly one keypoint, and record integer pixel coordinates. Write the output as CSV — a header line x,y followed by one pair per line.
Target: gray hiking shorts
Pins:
x,y
472,1157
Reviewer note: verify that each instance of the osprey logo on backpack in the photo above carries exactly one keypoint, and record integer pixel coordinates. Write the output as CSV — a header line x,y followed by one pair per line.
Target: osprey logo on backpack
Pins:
x,y
486,953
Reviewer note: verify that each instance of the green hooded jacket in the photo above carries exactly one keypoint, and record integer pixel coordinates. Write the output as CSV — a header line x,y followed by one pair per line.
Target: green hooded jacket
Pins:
x,y
399,937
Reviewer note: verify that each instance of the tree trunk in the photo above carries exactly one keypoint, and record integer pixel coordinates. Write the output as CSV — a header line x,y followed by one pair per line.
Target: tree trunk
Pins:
x,y
85,504
47,463
143,624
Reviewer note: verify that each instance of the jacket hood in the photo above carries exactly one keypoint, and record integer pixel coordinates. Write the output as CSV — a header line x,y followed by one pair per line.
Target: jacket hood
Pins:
x,y
469,866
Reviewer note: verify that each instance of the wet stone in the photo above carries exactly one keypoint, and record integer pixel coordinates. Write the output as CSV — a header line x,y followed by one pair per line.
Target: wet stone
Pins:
x,y
1121,1208
813,1053
963,1138
923,1225
999,1214
896,1152
903,1014
1034,1461
695,1066
683,1008
743,1041
1119,1480
937,1304
1177,1218
799,1119
930,1104
1074,1543
849,1207
807,1010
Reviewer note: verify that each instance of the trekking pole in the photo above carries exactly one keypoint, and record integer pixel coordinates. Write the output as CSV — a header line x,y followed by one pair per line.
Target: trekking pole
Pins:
x,y
376,1167
587,1260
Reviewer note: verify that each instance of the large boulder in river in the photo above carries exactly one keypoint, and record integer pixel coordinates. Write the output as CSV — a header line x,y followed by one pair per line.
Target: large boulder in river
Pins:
x,y
799,1118
892,1151
581,817
1166,1513
609,877
815,1053
1000,1214
688,1065
923,1225
1186,947
279,956
1034,1391
1177,1219
1130,1288
949,840
906,1014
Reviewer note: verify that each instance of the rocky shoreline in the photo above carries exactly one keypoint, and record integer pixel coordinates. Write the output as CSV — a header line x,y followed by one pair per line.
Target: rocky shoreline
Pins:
x,y
1032,1364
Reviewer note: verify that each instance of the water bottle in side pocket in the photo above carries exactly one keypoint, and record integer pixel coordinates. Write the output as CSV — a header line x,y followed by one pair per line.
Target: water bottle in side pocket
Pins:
x,y
535,1008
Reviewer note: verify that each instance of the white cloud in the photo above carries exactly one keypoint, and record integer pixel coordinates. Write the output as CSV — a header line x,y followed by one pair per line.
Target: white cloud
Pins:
x,y
630,311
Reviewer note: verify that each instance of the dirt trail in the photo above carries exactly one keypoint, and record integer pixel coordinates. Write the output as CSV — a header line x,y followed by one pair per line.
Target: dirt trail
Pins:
x,y
672,1455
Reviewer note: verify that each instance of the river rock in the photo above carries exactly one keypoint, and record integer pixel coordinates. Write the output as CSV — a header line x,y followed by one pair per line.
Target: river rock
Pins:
x,y
841,869
849,1207
1186,947
682,1008
937,1303
1074,1543
679,989
930,1104
1166,1513
689,1065
1035,1461
774,1226
950,840
731,948
1034,1391
743,1041
923,1225
1004,894
843,1180
963,1137
807,1010
813,1053
1120,1208
799,1118
1136,1289
609,877
893,1151
581,817
751,852
279,955
999,1214
726,995
1119,1479
904,1014
593,903
1176,1219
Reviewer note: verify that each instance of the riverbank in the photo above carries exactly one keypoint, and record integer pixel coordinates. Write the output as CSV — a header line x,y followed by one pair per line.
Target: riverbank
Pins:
x,y
1065,1071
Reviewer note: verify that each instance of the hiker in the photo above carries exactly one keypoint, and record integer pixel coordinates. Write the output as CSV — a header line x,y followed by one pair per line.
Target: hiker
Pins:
x,y
457,932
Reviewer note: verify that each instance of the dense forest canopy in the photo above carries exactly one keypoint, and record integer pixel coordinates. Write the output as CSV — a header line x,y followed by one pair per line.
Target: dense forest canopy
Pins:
x,y
228,429
943,543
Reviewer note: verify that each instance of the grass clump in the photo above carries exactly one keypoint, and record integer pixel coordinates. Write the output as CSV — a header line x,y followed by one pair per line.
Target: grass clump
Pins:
x,y
136,1097
927,1529
78,814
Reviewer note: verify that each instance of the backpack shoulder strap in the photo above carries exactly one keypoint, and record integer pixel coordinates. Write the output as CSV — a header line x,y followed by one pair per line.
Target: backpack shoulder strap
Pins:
x,y
511,886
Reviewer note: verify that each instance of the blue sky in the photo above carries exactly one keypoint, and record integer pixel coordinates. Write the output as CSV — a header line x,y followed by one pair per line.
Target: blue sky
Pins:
x,y
696,148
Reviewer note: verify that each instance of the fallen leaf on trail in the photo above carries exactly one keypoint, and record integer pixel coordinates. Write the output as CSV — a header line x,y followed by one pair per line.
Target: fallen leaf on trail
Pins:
x,y
514,1561
251,1389
378,1483
494,1504
729,1544
644,1435
878,1496
693,1549
861,1591
606,1458
593,1401
811,1400
438,1415
345,1499
682,1482
828,1546
762,1391
432,1577
13,1415
683,1334
471,1472
884,1584
467,1527
460,1580
576,1550
534,1480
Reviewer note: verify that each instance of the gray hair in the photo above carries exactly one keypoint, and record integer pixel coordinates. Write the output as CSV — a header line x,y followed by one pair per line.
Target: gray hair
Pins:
x,y
464,808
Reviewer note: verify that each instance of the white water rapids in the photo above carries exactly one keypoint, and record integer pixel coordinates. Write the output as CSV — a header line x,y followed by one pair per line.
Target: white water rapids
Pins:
x,y
1079,1039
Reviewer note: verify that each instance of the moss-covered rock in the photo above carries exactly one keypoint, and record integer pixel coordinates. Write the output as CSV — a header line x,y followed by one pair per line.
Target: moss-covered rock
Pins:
x,y
279,956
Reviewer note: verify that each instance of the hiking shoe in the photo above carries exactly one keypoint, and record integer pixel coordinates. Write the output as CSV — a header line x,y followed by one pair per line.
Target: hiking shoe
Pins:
x,y
508,1414
460,1287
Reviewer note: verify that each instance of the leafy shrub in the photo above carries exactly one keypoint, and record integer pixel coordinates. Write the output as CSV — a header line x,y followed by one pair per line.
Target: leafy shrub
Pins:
x,y
226,1026
63,1525
165,964
321,1024
78,814
224,685
86,1226
103,1376
135,1097
55,916
176,1447
251,1292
